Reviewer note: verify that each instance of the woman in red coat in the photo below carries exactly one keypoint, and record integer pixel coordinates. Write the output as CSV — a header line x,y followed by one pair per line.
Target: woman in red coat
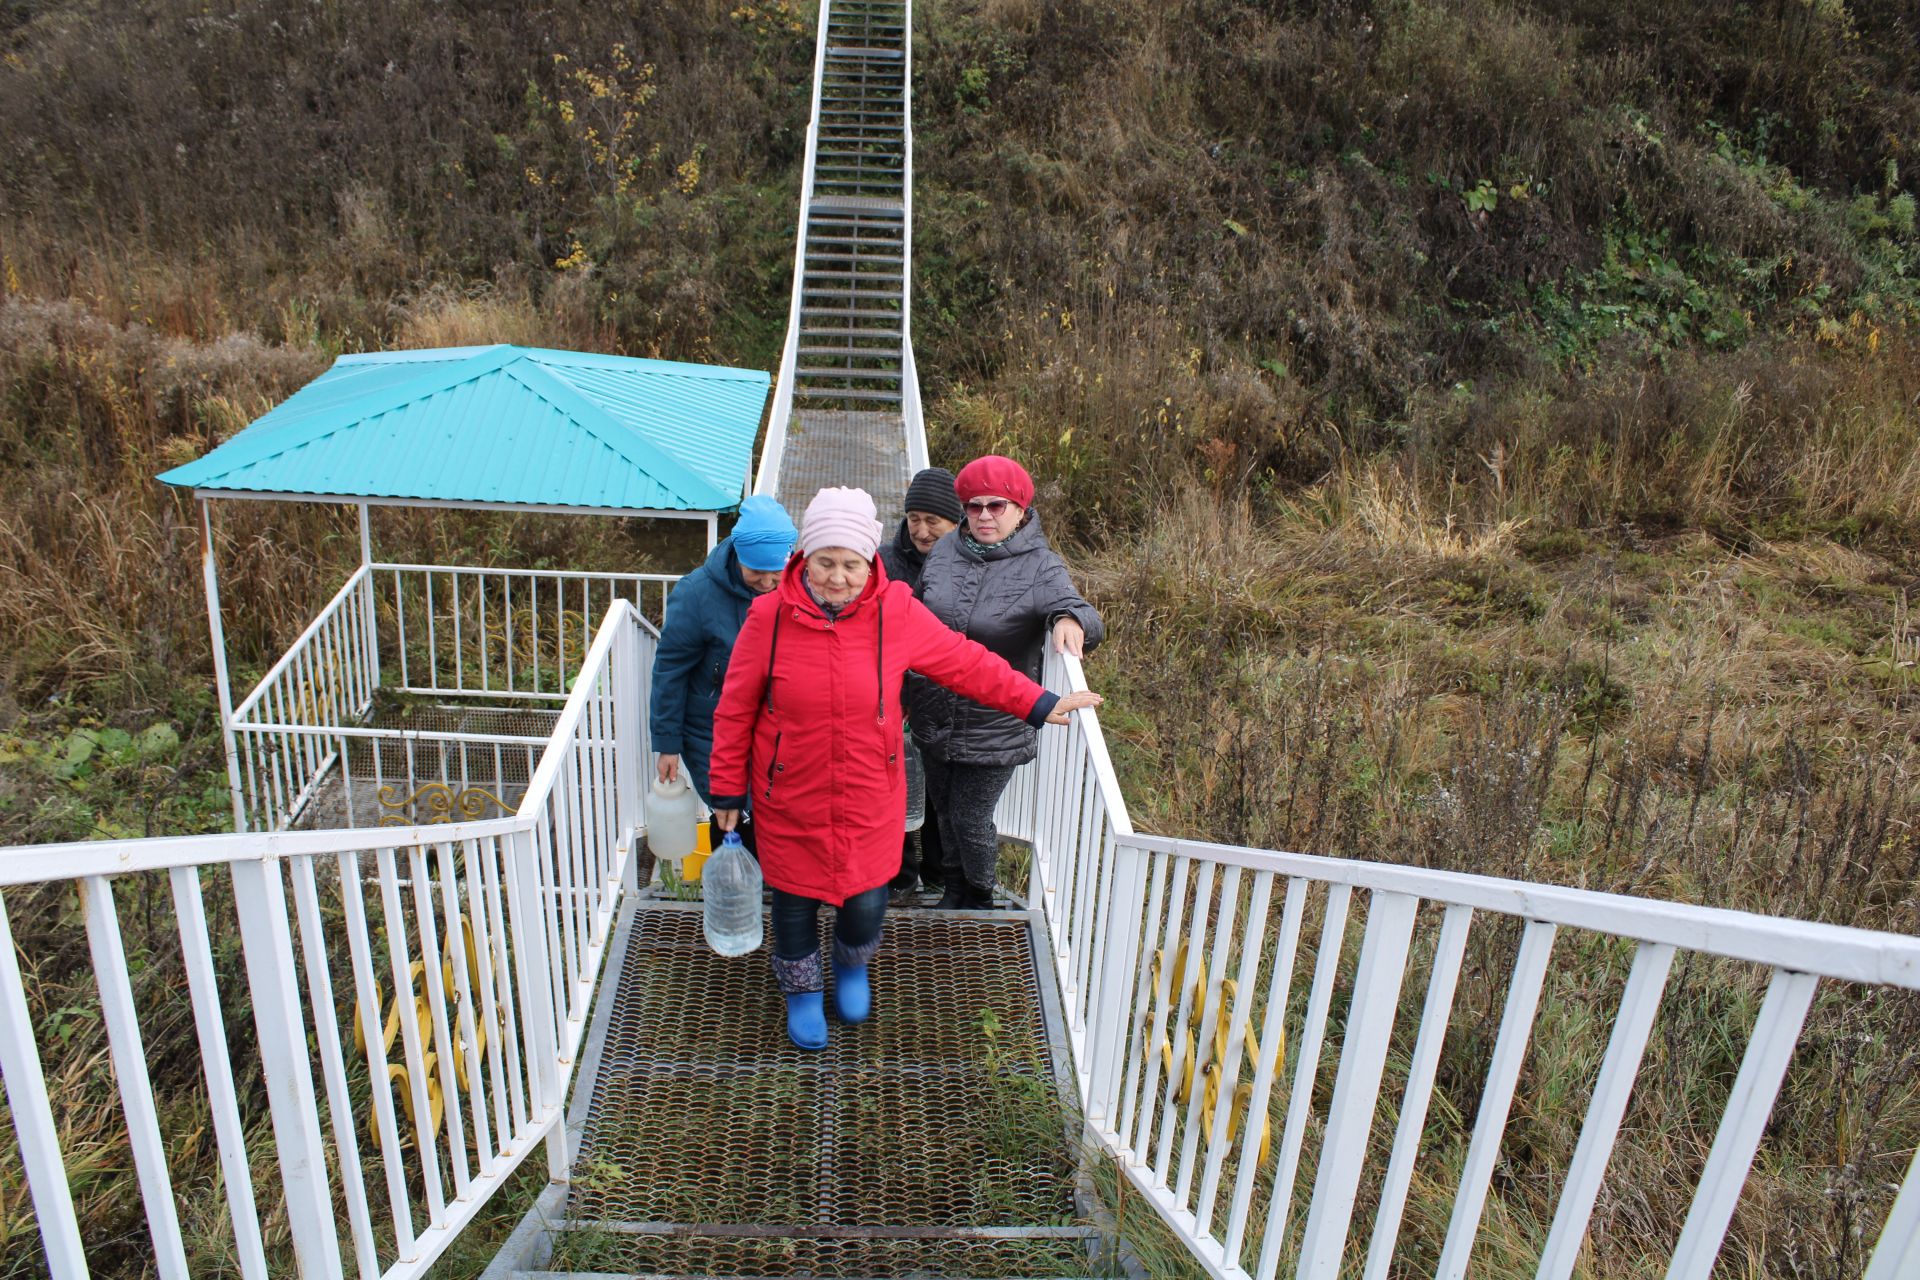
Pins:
x,y
809,726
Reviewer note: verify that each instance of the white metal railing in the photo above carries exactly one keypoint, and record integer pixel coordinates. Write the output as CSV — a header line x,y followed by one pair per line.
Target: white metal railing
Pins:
x,y
460,632
767,479
477,641
1212,1079
326,679
910,405
389,1118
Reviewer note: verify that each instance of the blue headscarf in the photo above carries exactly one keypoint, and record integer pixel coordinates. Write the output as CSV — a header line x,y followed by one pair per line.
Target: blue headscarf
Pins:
x,y
763,536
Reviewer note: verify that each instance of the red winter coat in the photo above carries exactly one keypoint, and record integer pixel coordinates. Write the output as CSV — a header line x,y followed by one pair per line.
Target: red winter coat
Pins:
x,y
819,752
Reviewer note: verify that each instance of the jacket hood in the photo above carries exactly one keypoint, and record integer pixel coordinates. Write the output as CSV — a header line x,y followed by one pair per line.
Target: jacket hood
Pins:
x,y
723,566
910,555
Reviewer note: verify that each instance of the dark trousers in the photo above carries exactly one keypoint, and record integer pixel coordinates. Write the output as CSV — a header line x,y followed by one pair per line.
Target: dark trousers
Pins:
x,y
964,796
922,855
856,924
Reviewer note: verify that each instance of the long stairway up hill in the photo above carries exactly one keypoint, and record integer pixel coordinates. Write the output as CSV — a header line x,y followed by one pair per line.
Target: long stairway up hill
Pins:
x,y
847,411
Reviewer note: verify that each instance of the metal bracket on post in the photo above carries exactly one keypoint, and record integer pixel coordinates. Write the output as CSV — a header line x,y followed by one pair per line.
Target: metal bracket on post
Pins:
x,y
267,942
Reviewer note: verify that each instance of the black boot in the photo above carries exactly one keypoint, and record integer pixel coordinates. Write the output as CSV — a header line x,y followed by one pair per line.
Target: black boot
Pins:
x,y
907,879
962,895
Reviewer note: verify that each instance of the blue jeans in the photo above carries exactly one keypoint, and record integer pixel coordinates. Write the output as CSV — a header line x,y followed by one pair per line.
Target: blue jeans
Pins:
x,y
856,926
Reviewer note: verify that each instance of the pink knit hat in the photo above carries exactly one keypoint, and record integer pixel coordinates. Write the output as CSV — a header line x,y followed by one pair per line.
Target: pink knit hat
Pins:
x,y
841,517
994,475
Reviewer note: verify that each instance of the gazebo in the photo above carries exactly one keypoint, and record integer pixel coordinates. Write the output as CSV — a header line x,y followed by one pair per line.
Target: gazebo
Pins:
x,y
426,692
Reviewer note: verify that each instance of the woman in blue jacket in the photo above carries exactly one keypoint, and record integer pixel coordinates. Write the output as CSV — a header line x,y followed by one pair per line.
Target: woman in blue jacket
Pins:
x,y
704,615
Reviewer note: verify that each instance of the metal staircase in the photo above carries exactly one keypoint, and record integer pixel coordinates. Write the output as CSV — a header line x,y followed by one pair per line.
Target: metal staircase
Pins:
x,y
847,406
938,1140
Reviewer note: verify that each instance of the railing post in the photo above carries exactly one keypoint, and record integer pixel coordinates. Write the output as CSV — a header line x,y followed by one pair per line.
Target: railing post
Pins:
x,y
629,749
369,599
210,577
1112,1007
33,1124
260,899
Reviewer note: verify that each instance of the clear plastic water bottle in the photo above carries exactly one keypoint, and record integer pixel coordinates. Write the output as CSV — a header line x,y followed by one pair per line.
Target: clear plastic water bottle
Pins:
x,y
730,883
916,788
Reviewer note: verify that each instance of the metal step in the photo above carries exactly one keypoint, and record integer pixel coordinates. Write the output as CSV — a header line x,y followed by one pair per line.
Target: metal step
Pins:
x,y
817,247
857,205
854,295
855,353
863,375
845,393
887,232
850,313
863,51
875,276
866,334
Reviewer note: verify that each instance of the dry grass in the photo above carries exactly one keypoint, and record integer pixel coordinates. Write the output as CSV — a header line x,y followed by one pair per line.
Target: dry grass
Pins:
x,y
1674,717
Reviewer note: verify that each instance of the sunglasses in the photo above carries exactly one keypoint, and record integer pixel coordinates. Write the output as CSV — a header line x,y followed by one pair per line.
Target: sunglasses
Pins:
x,y
986,507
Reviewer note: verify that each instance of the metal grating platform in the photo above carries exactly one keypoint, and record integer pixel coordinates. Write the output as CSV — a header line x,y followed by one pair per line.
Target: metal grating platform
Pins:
x,y
399,778
930,1140
865,449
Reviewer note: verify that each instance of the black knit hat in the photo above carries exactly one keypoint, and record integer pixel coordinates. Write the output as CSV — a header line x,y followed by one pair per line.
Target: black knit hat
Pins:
x,y
932,492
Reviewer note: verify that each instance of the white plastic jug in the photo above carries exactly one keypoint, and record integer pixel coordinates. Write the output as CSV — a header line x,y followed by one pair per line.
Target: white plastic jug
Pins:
x,y
672,814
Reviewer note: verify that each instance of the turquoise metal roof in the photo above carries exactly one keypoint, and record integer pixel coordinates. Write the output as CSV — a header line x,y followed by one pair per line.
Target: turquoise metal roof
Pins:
x,y
502,424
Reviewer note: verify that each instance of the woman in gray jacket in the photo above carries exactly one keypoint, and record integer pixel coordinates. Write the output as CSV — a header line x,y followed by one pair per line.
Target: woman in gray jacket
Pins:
x,y
996,580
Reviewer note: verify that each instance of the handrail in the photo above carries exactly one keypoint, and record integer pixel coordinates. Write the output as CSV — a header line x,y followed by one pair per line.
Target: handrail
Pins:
x,y
767,481
481,570
910,403
1203,1077
299,646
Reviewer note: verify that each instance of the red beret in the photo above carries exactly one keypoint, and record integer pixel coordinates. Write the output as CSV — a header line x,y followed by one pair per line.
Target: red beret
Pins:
x,y
994,476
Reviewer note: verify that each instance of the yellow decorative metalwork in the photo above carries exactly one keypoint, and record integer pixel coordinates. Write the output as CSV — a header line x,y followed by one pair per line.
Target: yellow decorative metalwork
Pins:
x,y
313,697
1206,1058
389,1017
443,805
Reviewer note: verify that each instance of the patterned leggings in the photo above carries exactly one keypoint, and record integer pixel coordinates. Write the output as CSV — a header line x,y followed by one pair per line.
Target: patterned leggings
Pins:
x,y
963,796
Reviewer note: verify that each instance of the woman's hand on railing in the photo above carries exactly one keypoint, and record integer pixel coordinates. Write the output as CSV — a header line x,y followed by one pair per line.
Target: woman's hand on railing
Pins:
x,y
668,767
1070,637
727,818
1071,702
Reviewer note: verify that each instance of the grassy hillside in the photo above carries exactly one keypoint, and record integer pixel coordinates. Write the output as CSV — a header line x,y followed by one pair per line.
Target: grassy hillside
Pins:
x,y
1494,427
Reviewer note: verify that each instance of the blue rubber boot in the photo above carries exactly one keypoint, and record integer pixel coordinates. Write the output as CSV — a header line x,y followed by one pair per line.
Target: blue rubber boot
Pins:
x,y
807,1019
852,990
800,982
852,993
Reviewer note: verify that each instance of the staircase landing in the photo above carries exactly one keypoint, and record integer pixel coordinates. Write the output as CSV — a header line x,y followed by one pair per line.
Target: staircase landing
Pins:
x,y
862,448
929,1141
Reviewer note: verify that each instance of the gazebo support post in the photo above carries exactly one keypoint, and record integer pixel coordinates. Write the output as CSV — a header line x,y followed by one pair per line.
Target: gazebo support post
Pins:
x,y
713,530
369,599
210,575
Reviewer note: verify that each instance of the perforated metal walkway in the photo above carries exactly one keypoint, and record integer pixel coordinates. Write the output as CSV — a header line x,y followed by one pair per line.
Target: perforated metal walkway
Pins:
x,y
845,446
930,1141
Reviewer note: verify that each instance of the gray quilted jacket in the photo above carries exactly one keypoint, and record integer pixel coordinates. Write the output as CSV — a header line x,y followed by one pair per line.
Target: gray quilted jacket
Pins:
x,y
1008,600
